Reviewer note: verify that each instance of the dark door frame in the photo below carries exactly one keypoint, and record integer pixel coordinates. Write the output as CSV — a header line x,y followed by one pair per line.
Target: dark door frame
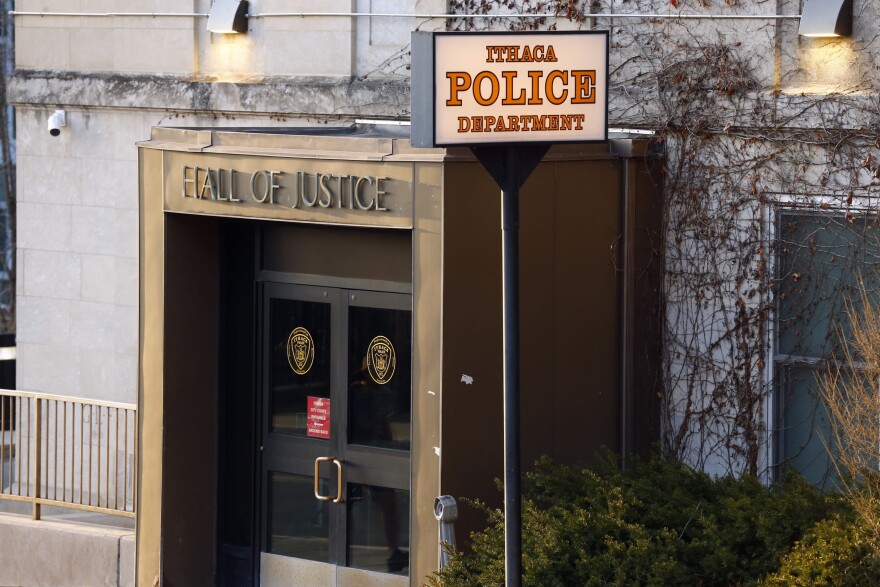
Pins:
x,y
369,465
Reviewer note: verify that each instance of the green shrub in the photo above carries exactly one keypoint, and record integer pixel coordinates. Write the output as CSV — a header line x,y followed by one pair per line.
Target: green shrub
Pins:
x,y
658,523
833,552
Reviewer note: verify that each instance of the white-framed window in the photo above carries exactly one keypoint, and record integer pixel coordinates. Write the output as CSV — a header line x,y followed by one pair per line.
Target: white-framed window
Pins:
x,y
823,259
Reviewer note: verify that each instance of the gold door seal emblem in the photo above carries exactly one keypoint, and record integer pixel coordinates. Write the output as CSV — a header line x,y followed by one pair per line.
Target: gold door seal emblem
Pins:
x,y
381,360
300,350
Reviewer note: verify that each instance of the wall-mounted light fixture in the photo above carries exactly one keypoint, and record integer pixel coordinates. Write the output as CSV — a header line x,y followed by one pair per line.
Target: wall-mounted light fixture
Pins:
x,y
826,18
228,16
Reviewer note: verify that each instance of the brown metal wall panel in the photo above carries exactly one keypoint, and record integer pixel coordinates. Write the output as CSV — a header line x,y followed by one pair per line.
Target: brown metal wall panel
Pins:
x,y
648,323
189,464
538,328
238,401
472,426
586,351
569,322
356,253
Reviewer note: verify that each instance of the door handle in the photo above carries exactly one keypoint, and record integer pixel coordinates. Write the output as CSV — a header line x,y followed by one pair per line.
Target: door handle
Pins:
x,y
338,463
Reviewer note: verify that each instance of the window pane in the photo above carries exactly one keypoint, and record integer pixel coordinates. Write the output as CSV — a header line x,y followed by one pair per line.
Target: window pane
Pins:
x,y
300,356
379,377
806,430
298,523
378,529
822,258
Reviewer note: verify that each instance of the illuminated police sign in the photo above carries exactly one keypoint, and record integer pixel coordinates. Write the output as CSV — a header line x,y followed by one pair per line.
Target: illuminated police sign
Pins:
x,y
484,88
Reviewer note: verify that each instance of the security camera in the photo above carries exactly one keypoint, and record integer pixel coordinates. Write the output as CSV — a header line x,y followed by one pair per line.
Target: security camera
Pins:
x,y
445,509
56,122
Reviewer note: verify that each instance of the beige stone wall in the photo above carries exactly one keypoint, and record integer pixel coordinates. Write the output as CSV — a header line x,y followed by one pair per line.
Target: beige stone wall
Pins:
x,y
77,193
77,249
339,47
329,46
162,45
118,76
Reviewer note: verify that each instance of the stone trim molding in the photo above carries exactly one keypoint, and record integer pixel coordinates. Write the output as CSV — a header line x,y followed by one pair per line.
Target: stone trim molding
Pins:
x,y
313,97
346,98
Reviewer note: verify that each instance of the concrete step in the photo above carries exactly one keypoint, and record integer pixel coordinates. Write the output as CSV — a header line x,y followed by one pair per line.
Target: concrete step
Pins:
x,y
64,554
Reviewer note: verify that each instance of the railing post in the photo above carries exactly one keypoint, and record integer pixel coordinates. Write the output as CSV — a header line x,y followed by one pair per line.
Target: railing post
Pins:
x,y
38,433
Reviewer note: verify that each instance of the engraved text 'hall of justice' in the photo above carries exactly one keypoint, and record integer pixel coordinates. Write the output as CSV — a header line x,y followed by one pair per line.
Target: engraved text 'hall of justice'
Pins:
x,y
305,190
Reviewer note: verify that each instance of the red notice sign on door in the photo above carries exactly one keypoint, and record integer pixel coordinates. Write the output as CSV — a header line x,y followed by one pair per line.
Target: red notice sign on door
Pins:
x,y
318,424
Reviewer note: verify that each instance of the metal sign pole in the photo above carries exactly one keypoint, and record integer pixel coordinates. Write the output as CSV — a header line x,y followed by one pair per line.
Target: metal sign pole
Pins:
x,y
510,166
510,297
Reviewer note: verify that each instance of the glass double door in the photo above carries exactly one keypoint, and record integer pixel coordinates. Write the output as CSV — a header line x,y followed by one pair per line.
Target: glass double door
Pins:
x,y
335,426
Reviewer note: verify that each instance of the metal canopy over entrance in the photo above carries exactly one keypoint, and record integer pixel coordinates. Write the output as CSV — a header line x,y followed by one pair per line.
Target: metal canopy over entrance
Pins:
x,y
290,281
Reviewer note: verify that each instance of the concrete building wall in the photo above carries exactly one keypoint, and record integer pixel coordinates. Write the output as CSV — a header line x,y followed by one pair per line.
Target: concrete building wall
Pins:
x,y
77,193
118,76
321,46
77,249
77,290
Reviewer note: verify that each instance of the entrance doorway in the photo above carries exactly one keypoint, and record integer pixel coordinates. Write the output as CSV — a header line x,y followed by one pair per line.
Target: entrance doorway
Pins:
x,y
334,427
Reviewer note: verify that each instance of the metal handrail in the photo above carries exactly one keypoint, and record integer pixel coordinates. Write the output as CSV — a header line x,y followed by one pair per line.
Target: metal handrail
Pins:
x,y
67,398
69,452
